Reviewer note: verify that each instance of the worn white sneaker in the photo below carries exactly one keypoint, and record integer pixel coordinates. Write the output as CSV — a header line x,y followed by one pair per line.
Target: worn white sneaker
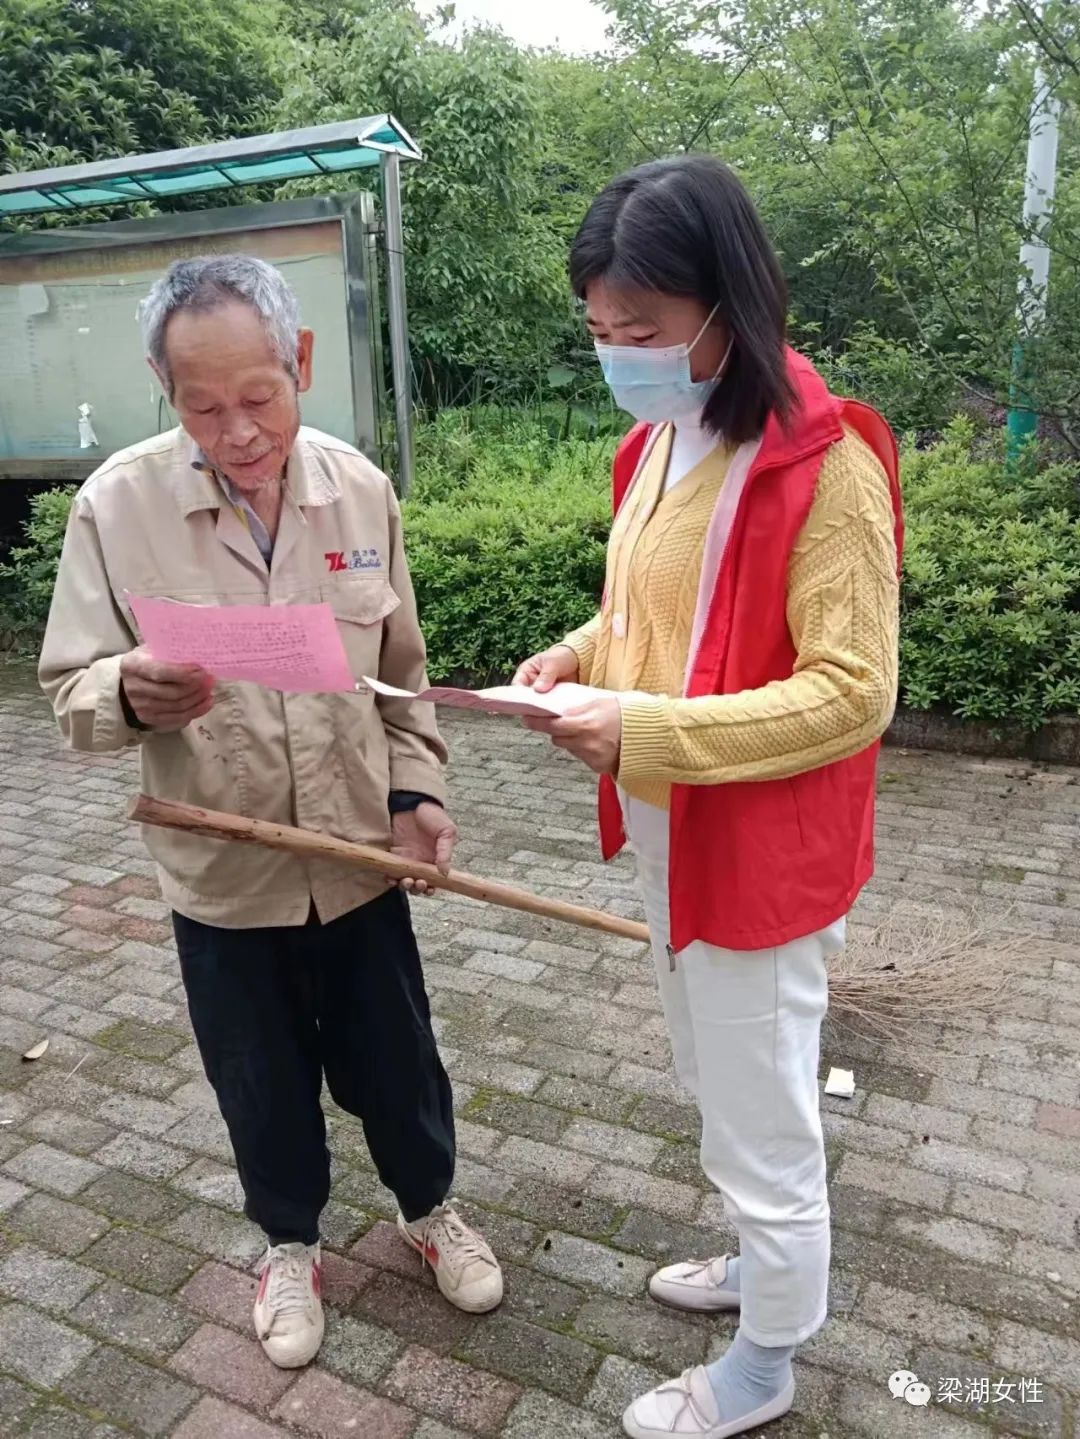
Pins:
x,y
288,1310
466,1271
687,1406
697,1285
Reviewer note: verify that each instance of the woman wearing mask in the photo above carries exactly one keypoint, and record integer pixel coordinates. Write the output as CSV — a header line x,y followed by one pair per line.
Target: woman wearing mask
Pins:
x,y
749,630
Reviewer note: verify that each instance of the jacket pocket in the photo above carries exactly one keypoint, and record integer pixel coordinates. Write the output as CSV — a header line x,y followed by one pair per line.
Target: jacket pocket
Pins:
x,y
362,602
360,607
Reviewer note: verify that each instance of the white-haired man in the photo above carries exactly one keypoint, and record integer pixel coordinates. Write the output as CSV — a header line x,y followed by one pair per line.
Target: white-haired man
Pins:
x,y
293,971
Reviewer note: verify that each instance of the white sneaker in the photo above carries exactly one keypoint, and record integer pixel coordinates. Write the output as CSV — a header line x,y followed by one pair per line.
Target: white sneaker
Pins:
x,y
466,1271
688,1406
288,1310
696,1285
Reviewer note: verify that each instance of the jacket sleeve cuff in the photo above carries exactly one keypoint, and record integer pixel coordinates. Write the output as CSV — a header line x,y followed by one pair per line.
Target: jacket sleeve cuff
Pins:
x,y
111,730
584,646
403,801
646,732
413,776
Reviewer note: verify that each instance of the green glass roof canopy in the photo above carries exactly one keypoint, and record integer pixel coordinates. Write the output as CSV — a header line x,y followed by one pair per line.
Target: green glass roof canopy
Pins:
x,y
259,159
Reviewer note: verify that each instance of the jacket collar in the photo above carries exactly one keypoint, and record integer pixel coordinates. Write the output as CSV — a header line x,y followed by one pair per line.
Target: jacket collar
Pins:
x,y
307,479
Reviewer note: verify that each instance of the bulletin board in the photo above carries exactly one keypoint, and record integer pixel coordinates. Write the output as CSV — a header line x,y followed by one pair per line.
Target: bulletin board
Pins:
x,y
69,336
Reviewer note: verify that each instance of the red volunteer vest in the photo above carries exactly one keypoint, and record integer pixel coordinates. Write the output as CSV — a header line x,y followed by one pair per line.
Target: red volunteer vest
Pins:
x,y
754,865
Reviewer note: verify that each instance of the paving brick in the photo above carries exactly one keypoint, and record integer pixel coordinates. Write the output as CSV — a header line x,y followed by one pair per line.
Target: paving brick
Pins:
x,y
562,1060
55,1421
204,1131
855,1348
955,1236
383,1248
1056,1087
531,1355
131,1200
522,1116
895,1181
416,1312
1003,1405
544,1161
450,1391
508,966
1043,1260
45,1167
146,1158
215,1183
358,1351
218,1235
342,1225
899,1311
1054,1358
540,1298
129,1391
152,1326
342,1279
870,1410
55,1285
618,1383
582,1262
142,1041
643,1331
1003,1210
612,1142
213,1419
916,1119
141,1113
1057,1119
143,1259
981,1101
16,1402
539,1416
39,1349
11,1194
583,1096
563,1209
321,1405
232,1366
64,1129
628,1186
222,1294
962,1162
667,1240
500,1074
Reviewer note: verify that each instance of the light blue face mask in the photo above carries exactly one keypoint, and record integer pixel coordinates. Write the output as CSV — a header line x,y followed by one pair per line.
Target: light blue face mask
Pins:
x,y
654,384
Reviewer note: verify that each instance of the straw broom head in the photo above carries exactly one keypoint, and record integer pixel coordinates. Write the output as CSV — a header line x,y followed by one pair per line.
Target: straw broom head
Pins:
x,y
922,965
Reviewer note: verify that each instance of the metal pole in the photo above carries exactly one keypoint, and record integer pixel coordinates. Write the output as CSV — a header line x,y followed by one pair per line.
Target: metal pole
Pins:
x,y
399,321
1034,254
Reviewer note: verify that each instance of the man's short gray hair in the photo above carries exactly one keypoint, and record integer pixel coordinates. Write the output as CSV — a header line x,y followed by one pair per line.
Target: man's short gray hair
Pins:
x,y
204,284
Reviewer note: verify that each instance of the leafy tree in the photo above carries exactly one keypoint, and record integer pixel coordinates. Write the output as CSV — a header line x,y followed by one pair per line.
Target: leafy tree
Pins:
x,y
86,81
484,265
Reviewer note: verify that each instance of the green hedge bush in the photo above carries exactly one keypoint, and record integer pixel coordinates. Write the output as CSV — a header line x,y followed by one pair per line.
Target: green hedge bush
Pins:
x,y
991,598
507,529
506,536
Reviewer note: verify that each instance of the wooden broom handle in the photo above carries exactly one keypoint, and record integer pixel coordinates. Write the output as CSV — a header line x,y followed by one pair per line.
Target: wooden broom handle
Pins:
x,y
171,814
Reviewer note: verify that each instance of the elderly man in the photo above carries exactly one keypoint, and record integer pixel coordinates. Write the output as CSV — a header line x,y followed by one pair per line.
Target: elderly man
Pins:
x,y
293,970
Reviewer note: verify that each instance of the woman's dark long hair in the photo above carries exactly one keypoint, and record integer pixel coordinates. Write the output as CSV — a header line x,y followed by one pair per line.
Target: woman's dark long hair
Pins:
x,y
687,226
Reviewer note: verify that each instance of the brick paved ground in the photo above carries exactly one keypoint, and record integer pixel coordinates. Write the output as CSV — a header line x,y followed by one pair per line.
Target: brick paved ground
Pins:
x,y
125,1266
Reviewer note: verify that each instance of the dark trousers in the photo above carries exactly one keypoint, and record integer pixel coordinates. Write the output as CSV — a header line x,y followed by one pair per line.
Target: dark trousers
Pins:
x,y
276,1009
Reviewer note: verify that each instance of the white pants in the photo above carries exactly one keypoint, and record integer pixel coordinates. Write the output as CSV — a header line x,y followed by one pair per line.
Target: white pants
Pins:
x,y
745,1029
